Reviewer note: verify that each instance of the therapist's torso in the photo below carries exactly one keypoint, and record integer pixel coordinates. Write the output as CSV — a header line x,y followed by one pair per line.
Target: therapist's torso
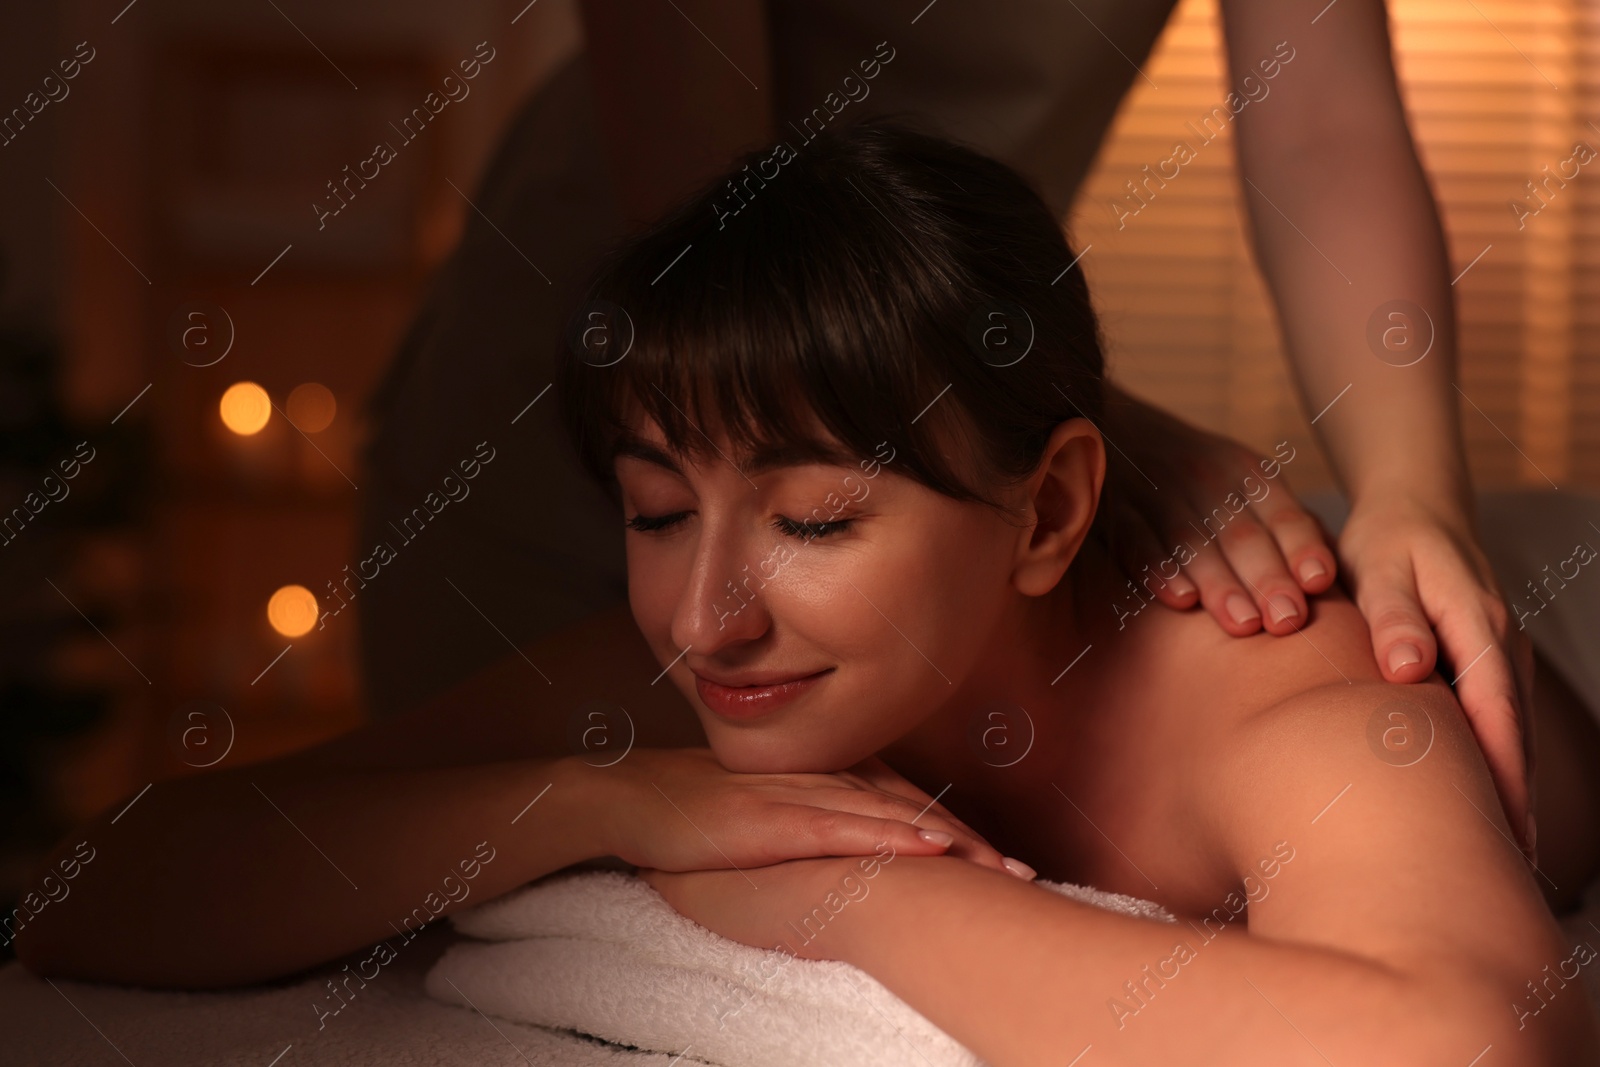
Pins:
x,y
1035,83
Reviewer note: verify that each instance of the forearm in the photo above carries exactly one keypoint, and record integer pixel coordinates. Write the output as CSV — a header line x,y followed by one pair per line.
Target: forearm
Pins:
x,y
1388,426
247,875
1023,976
1343,223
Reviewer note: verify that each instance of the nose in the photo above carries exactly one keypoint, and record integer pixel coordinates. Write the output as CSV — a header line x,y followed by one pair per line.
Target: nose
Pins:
x,y
722,603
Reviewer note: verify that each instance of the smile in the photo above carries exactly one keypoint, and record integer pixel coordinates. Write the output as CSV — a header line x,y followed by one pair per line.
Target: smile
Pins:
x,y
753,701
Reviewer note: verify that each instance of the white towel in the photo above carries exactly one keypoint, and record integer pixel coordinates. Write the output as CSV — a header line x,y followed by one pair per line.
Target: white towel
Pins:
x,y
604,954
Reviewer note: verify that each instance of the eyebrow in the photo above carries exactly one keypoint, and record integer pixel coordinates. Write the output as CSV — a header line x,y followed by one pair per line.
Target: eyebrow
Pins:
x,y
791,454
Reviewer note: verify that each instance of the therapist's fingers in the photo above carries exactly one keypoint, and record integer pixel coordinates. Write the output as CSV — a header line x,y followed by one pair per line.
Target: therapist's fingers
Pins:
x,y
1280,553
1302,543
1487,691
1224,596
1270,554
1486,664
1252,553
1402,640
1152,568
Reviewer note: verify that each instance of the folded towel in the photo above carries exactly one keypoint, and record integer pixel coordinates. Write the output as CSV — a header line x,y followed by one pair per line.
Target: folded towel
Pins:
x,y
604,954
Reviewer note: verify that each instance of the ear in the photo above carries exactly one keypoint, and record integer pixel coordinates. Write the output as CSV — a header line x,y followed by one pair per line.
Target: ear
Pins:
x,y
1060,498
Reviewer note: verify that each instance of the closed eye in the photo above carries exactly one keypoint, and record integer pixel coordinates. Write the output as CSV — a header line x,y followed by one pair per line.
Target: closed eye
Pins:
x,y
806,531
809,530
652,523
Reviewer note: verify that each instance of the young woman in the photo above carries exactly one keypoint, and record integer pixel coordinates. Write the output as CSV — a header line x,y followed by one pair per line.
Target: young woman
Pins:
x,y
856,531
865,549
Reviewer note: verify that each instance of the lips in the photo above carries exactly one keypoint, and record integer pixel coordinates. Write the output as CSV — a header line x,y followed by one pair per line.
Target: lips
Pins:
x,y
758,695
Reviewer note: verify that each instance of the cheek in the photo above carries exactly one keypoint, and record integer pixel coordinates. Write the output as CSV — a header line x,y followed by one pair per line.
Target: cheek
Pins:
x,y
943,586
901,626
656,578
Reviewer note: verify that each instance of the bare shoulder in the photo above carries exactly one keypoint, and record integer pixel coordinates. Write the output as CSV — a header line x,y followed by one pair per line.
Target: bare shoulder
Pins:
x,y
1360,818
1398,848
1311,740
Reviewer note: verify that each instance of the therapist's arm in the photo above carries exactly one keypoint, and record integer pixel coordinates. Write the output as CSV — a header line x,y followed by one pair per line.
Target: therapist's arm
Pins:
x,y
1343,223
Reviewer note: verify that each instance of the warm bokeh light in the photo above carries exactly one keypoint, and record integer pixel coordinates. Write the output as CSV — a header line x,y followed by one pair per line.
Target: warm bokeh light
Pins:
x,y
292,611
245,408
311,407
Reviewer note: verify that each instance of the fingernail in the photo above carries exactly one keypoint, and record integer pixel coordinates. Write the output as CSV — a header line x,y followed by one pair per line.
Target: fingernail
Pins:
x,y
1284,608
936,837
1240,609
1020,869
1311,570
1403,656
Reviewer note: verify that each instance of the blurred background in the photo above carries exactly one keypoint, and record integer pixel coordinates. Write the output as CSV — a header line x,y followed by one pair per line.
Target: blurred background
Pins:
x,y
185,356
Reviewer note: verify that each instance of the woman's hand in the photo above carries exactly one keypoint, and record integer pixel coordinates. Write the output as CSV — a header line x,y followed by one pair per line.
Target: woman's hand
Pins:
x,y
1201,518
1416,571
680,810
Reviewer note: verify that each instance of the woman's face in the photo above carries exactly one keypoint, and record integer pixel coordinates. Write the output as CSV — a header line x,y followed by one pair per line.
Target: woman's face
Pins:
x,y
877,591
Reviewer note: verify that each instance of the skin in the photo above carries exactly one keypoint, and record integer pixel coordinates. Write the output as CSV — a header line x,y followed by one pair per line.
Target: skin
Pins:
x,y
1331,152
1402,929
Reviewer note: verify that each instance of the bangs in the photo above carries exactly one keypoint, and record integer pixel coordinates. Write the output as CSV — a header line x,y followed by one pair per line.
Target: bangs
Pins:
x,y
816,306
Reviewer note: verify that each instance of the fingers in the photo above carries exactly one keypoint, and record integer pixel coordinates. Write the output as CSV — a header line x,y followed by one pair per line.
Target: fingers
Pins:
x,y
845,832
879,775
1488,693
1523,668
1147,564
889,794
1225,598
1493,682
1402,641
1261,552
1414,566
1302,543
1255,572
1252,554
1267,557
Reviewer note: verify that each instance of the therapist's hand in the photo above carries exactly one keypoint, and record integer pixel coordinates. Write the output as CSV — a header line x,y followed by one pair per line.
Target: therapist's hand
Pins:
x,y
1430,599
1199,518
1412,563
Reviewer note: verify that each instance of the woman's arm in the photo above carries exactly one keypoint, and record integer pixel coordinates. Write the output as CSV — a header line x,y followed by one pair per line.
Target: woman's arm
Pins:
x,y
1382,915
251,873
1405,928
254,873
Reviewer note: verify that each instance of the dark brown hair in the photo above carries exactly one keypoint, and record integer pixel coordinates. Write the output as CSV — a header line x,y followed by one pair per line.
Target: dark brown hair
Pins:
x,y
890,284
